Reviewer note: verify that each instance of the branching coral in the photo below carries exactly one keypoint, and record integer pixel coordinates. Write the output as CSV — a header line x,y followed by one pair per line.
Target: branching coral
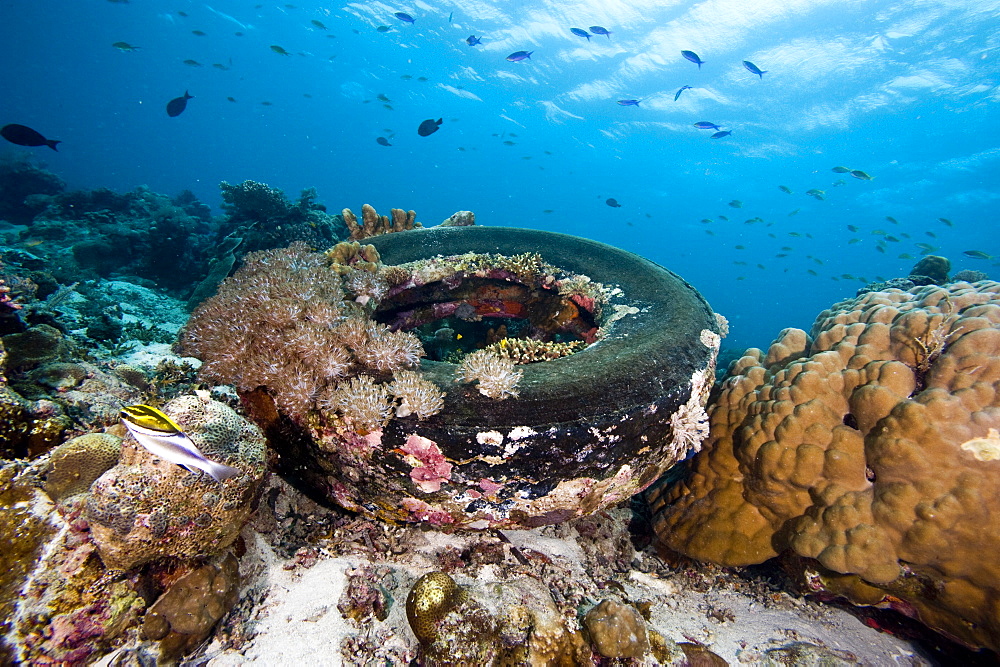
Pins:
x,y
497,377
373,224
528,350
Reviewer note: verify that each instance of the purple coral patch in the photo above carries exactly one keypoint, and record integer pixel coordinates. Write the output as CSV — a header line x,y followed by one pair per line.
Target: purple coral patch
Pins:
x,y
430,468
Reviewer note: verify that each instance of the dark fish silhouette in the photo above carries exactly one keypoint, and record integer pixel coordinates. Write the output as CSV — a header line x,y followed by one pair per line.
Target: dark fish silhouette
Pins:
x,y
613,203
176,106
705,125
404,17
753,68
677,95
383,28
472,40
580,32
719,135
518,56
429,127
382,141
598,30
629,103
693,57
22,135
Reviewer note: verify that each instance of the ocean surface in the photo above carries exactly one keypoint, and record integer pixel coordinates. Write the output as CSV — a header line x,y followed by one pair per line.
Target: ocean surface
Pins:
x,y
295,96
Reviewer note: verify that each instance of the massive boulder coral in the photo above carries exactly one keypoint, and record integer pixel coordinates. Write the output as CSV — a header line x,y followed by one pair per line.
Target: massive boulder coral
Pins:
x,y
867,451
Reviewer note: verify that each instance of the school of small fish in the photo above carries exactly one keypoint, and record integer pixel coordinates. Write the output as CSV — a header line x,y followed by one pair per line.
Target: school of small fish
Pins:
x,y
401,21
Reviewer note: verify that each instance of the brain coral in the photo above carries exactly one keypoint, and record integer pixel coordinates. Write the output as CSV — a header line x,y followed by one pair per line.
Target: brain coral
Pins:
x,y
846,449
146,508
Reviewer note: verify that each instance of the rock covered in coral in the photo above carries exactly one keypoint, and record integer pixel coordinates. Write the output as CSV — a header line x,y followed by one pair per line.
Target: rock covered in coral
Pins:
x,y
847,448
519,624
617,630
57,604
185,614
146,507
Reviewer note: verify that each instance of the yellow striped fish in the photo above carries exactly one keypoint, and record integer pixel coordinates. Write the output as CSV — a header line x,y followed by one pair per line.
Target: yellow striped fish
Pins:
x,y
159,434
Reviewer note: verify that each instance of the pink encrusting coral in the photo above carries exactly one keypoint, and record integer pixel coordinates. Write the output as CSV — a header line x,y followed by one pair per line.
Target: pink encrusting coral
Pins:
x,y
430,468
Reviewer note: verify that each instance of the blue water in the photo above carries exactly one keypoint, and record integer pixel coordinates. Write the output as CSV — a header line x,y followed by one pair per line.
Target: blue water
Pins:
x,y
907,92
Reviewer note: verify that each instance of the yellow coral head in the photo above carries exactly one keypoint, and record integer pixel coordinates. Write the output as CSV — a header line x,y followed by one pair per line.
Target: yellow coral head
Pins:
x,y
431,598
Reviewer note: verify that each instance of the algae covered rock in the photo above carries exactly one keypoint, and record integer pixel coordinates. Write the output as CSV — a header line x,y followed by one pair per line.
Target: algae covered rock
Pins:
x,y
146,507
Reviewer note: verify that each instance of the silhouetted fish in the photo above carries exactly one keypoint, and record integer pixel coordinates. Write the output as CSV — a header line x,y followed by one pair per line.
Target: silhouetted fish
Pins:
x,y
693,57
124,46
784,188
861,176
677,95
518,56
719,135
580,32
472,40
404,17
429,126
705,125
279,50
840,170
176,106
598,30
383,28
318,24
613,203
382,141
629,103
753,68
22,135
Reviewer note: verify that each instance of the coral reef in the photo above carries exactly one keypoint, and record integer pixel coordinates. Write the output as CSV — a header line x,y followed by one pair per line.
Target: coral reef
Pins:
x,y
373,224
146,508
263,218
20,178
969,276
865,450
